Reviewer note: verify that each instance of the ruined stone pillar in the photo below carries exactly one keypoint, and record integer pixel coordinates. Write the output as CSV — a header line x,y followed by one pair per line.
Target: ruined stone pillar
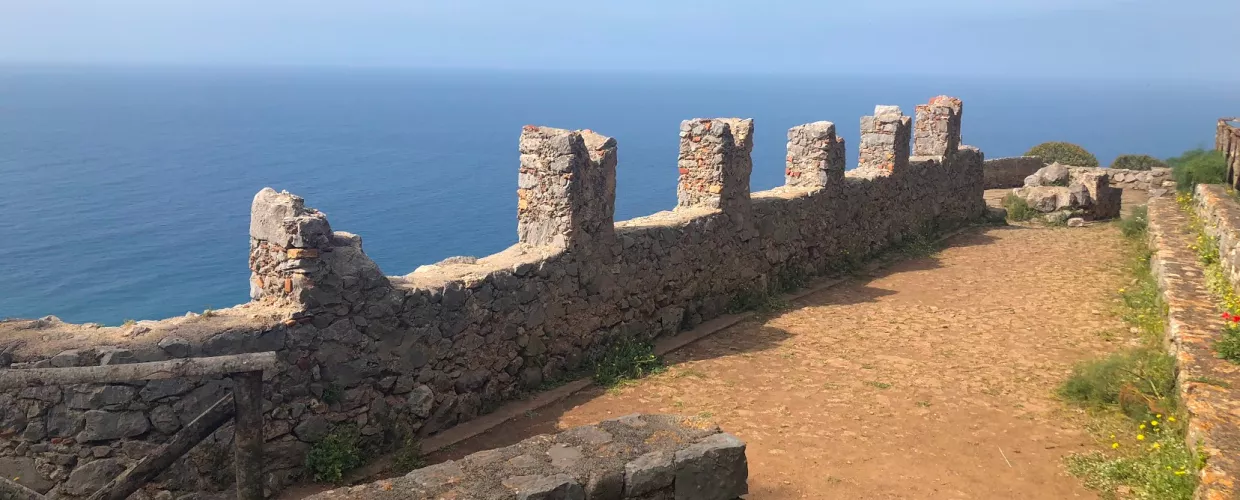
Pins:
x,y
884,140
815,155
937,127
566,196
715,163
296,258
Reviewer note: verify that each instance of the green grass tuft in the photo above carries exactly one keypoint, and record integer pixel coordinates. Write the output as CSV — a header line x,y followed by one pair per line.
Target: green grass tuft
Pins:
x,y
626,360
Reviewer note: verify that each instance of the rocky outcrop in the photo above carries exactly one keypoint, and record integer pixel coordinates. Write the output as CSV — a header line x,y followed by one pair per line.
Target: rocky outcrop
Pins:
x,y
634,457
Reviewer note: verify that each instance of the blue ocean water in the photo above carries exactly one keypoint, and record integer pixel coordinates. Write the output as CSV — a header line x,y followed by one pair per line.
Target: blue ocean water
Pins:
x,y
124,193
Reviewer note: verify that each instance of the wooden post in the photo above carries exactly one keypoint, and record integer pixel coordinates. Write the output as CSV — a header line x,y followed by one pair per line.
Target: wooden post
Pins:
x,y
248,434
163,457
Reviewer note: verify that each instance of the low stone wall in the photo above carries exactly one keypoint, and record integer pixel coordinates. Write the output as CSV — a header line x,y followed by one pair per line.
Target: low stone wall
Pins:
x,y
1209,387
1002,173
1156,181
419,353
633,457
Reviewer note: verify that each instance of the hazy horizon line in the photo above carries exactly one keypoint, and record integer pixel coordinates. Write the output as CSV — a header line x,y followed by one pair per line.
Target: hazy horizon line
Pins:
x,y
252,67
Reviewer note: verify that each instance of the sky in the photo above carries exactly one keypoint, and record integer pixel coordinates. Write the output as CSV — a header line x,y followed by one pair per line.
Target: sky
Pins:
x,y
1124,39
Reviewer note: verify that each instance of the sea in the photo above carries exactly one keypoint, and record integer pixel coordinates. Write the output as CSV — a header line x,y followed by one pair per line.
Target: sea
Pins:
x,y
125,191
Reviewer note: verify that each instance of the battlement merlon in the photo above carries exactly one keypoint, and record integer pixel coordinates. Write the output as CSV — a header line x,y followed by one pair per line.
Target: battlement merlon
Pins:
x,y
815,156
715,164
884,147
937,127
566,188
297,260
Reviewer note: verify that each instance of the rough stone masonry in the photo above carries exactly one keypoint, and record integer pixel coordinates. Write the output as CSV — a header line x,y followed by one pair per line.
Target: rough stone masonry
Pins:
x,y
640,457
419,353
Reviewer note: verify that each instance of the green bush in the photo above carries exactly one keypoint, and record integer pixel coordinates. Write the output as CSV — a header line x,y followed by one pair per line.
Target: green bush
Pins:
x,y
1198,166
1065,153
1018,209
1137,162
1140,382
336,454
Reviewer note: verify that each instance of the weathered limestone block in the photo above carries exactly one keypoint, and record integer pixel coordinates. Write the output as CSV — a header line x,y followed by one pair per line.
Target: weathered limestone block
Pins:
x,y
1106,200
640,457
566,194
715,163
937,127
884,141
815,156
1050,175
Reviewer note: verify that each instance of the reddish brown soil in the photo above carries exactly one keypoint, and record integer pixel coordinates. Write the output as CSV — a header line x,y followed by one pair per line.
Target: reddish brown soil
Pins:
x,y
933,379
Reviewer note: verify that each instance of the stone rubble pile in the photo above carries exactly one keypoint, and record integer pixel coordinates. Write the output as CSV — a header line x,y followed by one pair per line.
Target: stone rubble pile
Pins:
x,y
1065,194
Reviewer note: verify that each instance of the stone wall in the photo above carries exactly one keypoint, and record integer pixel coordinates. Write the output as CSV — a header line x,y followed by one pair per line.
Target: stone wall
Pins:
x,y
1227,140
1208,387
1002,173
1155,181
422,352
632,457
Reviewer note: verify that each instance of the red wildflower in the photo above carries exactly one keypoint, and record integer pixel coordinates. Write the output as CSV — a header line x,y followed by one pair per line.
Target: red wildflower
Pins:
x,y
1235,319
1227,316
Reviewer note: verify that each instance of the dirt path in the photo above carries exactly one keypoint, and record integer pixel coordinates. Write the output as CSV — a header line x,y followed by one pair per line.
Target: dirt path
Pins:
x,y
933,379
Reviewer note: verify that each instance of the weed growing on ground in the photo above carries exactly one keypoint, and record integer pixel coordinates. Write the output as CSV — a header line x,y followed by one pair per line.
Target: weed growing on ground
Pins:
x,y
1139,383
335,455
1228,346
878,385
626,360
1136,223
409,456
1153,462
1018,209
756,299
129,323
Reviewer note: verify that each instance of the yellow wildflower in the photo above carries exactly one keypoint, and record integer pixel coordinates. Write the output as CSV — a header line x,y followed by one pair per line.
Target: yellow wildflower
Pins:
x,y
1180,473
1171,419
1114,446
1140,437
1142,426
1154,423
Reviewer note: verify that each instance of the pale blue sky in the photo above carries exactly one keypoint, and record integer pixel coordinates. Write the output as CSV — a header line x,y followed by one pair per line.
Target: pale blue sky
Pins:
x,y
1192,39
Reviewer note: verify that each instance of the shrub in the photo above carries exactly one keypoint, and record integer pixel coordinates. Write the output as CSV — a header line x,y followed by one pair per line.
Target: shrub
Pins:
x,y
1018,209
1137,162
1141,382
1198,166
335,455
1065,153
